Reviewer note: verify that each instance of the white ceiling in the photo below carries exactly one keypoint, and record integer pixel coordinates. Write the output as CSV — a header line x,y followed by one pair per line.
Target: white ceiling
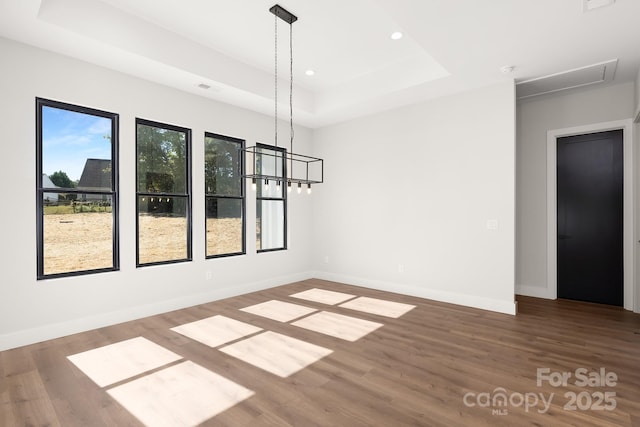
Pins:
x,y
449,46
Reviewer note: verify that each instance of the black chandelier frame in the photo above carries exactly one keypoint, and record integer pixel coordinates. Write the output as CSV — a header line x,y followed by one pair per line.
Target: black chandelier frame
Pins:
x,y
298,168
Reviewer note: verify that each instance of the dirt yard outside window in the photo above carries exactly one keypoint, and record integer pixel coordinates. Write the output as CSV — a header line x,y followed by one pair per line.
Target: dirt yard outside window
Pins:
x,y
84,241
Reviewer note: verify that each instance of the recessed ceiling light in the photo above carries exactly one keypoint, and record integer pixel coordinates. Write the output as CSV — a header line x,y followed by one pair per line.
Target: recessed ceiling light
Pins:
x,y
396,35
204,86
507,69
309,72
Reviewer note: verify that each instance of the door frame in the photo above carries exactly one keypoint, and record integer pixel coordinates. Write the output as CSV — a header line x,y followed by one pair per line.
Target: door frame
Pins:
x,y
628,200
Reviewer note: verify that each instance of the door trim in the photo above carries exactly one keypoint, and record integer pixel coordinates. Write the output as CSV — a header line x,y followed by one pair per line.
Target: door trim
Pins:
x,y
628,222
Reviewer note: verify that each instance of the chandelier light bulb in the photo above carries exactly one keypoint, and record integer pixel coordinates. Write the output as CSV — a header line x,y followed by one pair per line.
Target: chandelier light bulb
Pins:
x,y
309,188
299,187
253,184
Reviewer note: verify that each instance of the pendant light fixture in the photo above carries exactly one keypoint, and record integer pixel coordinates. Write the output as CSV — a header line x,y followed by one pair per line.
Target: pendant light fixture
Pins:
x,y
298,168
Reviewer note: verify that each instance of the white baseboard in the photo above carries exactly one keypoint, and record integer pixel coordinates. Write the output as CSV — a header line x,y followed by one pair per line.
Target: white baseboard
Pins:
x,y
534,291
506,307
57,330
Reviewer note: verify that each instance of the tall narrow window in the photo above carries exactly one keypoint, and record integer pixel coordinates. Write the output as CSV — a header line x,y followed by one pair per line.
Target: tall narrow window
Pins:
x,y
223,169
271,208
163,193
77,184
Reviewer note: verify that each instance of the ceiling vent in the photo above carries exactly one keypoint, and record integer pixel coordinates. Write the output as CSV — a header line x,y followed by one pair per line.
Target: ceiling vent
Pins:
x,y
571,79
589,5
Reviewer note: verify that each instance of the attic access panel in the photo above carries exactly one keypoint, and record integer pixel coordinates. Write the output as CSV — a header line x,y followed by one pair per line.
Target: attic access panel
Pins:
x,y
578,77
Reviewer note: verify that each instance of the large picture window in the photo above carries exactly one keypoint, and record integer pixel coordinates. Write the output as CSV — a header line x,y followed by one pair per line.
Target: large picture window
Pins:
x,y
271,208
163,193
223,170
77,184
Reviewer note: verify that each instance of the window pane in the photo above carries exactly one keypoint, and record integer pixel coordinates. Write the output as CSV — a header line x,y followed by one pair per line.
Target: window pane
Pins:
x,y
270,162
224,226
162,160
163,180
77,228
270,198
270,224
222,166
223,179
77,232
76,150
162,229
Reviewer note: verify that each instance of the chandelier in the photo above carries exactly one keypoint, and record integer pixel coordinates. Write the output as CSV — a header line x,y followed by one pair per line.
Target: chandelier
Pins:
x,y
299,169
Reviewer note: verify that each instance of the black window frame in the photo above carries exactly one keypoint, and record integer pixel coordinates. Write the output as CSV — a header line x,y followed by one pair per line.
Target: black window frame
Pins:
x,y
283,186
187,195
242,197
41,190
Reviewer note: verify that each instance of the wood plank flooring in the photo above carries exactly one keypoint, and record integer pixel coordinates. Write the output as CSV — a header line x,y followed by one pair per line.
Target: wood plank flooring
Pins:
x,y
437,365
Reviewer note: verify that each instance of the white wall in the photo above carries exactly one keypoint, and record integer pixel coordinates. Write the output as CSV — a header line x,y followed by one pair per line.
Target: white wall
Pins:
x,y
637,104
535,117
32,310
413,189
636,179
636,115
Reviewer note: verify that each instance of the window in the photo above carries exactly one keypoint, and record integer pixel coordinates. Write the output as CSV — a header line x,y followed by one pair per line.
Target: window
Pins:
x,y
76,186
271,209
163,193
223,169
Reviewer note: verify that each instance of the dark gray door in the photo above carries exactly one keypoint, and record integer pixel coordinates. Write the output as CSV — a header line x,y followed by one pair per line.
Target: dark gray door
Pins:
x,y
590,217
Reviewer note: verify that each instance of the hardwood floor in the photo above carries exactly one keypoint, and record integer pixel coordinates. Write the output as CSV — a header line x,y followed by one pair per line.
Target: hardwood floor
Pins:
x,y
436,365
